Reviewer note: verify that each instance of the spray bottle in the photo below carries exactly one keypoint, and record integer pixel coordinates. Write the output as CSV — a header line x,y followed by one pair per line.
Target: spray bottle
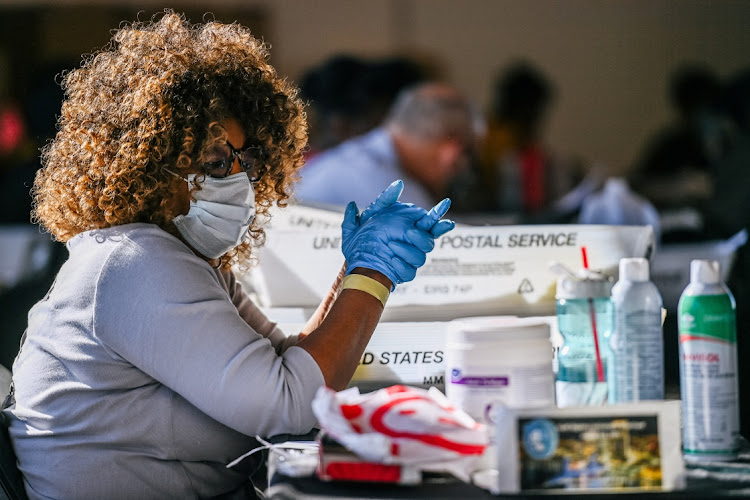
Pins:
x,y
584,319
708,365
636,368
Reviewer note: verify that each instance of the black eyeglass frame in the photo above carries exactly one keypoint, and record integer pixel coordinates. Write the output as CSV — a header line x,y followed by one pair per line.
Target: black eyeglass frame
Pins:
x,y
254,168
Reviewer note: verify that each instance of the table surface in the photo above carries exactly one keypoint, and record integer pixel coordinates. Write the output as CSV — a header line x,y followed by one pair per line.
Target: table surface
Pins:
x,y
447,487
703,480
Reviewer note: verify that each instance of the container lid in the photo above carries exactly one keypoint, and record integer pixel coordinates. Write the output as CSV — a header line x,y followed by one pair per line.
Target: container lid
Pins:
x,y
497,329
634,269
588,284
707,272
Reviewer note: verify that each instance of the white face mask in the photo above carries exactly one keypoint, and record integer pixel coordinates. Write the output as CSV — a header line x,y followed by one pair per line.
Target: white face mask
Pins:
x,y
219,216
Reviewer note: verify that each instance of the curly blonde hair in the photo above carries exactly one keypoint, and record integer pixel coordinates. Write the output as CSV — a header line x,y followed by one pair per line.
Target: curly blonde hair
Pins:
x,y
148,103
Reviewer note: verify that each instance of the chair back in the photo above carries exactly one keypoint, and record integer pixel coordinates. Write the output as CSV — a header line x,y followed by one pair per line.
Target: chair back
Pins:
x,y
11,481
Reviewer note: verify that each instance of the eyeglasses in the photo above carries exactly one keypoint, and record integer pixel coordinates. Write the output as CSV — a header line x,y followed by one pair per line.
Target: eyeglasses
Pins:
x,y
220,158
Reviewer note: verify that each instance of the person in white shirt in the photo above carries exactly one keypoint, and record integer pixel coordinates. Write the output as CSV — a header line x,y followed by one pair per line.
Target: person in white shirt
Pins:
x,y
429,139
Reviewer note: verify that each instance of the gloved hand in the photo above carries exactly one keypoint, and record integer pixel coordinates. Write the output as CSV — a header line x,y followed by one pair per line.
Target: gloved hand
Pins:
x,y
431,222
390,236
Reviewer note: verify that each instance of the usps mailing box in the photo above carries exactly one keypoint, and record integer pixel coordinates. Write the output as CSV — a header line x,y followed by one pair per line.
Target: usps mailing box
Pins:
x,y
410,353
473,270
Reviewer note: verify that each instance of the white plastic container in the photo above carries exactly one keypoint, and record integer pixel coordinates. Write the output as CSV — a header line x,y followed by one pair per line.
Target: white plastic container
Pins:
x,y
708,366
498,360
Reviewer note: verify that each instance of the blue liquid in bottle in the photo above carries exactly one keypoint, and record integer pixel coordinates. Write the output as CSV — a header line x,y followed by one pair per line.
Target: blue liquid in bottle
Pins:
x,y
578,376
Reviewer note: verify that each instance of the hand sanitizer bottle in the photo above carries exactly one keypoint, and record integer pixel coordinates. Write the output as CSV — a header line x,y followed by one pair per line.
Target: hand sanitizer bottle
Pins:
x,y
585,320
636,368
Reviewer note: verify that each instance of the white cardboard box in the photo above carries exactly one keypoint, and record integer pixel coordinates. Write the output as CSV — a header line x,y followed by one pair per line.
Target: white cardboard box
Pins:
x,y
409,353
473,270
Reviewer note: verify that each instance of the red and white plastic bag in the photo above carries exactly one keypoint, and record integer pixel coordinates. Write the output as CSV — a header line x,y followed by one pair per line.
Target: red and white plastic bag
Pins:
x,y
403,425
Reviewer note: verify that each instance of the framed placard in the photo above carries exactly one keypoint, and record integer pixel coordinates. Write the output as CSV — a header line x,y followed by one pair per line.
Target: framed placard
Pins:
x,y
613,448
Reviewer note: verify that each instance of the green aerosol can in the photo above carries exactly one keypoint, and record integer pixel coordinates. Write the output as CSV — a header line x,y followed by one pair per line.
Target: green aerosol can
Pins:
x,y
708,365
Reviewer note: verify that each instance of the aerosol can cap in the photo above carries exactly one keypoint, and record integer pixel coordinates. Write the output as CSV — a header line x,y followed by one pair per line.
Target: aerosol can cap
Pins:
x,y
706,272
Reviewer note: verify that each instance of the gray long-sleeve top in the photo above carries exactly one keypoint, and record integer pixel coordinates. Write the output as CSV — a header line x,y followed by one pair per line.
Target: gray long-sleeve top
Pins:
x,y
145,371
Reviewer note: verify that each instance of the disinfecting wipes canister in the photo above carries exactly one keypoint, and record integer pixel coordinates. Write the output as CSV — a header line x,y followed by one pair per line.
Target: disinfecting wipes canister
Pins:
x,y
498,360
708,366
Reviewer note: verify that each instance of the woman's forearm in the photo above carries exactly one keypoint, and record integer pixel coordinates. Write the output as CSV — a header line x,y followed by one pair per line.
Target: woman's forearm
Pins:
x,y
325,306
338,343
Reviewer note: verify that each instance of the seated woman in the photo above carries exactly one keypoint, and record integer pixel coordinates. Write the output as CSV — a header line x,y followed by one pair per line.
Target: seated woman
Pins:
x,y
146,368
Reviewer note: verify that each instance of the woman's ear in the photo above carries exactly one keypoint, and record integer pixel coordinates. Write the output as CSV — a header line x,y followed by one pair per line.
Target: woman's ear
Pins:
x,y
180,201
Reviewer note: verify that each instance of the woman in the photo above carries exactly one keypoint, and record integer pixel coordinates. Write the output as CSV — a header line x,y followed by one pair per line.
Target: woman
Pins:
x,y
146,368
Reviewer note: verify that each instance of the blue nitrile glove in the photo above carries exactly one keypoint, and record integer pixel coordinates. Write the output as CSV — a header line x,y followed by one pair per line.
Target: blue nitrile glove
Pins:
x,y
353,219
392,237
389,196
432,222
388,241
429,222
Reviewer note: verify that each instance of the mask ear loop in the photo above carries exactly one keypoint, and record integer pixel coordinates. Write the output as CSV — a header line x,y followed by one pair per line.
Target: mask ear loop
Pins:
x,y
217,266
174,174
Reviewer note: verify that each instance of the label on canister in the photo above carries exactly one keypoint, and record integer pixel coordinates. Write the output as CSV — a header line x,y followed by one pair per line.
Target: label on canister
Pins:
x,y
515,387
498,361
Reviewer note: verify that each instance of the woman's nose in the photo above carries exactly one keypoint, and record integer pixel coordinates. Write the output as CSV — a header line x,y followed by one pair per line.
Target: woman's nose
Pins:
x,y
236,166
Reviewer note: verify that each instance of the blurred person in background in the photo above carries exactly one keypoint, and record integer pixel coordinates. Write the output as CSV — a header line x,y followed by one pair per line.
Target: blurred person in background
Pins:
x,y
429,138
146,368
349,96
25,126
519,174
730,203
676,168
729,212
17,165
379,87
333,104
